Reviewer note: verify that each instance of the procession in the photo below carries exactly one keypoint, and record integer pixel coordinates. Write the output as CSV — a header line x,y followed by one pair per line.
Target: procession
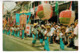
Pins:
x,y
41,26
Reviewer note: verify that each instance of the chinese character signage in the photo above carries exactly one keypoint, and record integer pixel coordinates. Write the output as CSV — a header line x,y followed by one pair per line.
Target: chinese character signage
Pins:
x,y
28,29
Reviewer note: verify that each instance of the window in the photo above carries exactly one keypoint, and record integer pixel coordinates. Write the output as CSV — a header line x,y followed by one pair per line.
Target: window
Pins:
x,y
32,5
36,3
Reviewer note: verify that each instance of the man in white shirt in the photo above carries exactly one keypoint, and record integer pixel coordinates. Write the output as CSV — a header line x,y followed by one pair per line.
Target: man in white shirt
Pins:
x,y
52,32
76,37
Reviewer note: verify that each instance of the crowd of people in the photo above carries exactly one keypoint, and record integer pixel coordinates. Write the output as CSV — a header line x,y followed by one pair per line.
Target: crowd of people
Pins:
x,y
48,33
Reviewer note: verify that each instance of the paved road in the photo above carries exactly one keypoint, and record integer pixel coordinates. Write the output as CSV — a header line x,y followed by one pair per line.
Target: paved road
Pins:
x,y
11,43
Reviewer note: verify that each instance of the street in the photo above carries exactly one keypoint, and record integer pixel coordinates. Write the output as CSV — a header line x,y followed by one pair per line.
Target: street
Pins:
x,y
11,43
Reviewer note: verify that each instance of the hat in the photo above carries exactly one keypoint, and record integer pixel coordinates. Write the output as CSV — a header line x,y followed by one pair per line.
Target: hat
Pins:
x,y
76,21
48,26
58,27
63,27
43,26
18,25
35,24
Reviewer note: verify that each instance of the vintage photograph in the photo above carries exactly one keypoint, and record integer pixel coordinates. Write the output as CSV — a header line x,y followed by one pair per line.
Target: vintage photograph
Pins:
x,y
40,25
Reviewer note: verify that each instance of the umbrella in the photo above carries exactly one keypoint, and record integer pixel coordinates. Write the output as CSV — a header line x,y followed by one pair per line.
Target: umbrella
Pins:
x,y
67,17
44,11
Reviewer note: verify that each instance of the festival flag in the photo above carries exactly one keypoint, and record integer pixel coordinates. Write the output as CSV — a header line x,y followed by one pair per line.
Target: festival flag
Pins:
x,y
56,7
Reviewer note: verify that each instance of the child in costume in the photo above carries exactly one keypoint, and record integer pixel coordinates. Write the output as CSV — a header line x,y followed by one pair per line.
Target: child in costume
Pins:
x,y
58,38
12,28
15,30
22,32
61,38
76,35
46,39
52,33
8,30
41,34
34,34
18,31
3,29
25,33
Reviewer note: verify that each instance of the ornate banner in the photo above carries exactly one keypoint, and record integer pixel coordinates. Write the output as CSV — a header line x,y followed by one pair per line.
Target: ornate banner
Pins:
x,y
23,19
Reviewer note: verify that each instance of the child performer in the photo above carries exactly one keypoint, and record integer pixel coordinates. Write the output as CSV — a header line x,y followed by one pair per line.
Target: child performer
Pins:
x,y
41,34
3,30
34,32
8,30
25,33
47,34
15,30
61,41
22,32
18,31
12,30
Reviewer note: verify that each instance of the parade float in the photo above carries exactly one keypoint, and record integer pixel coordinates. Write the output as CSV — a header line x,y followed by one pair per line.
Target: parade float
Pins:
x,y
67,17
44,11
